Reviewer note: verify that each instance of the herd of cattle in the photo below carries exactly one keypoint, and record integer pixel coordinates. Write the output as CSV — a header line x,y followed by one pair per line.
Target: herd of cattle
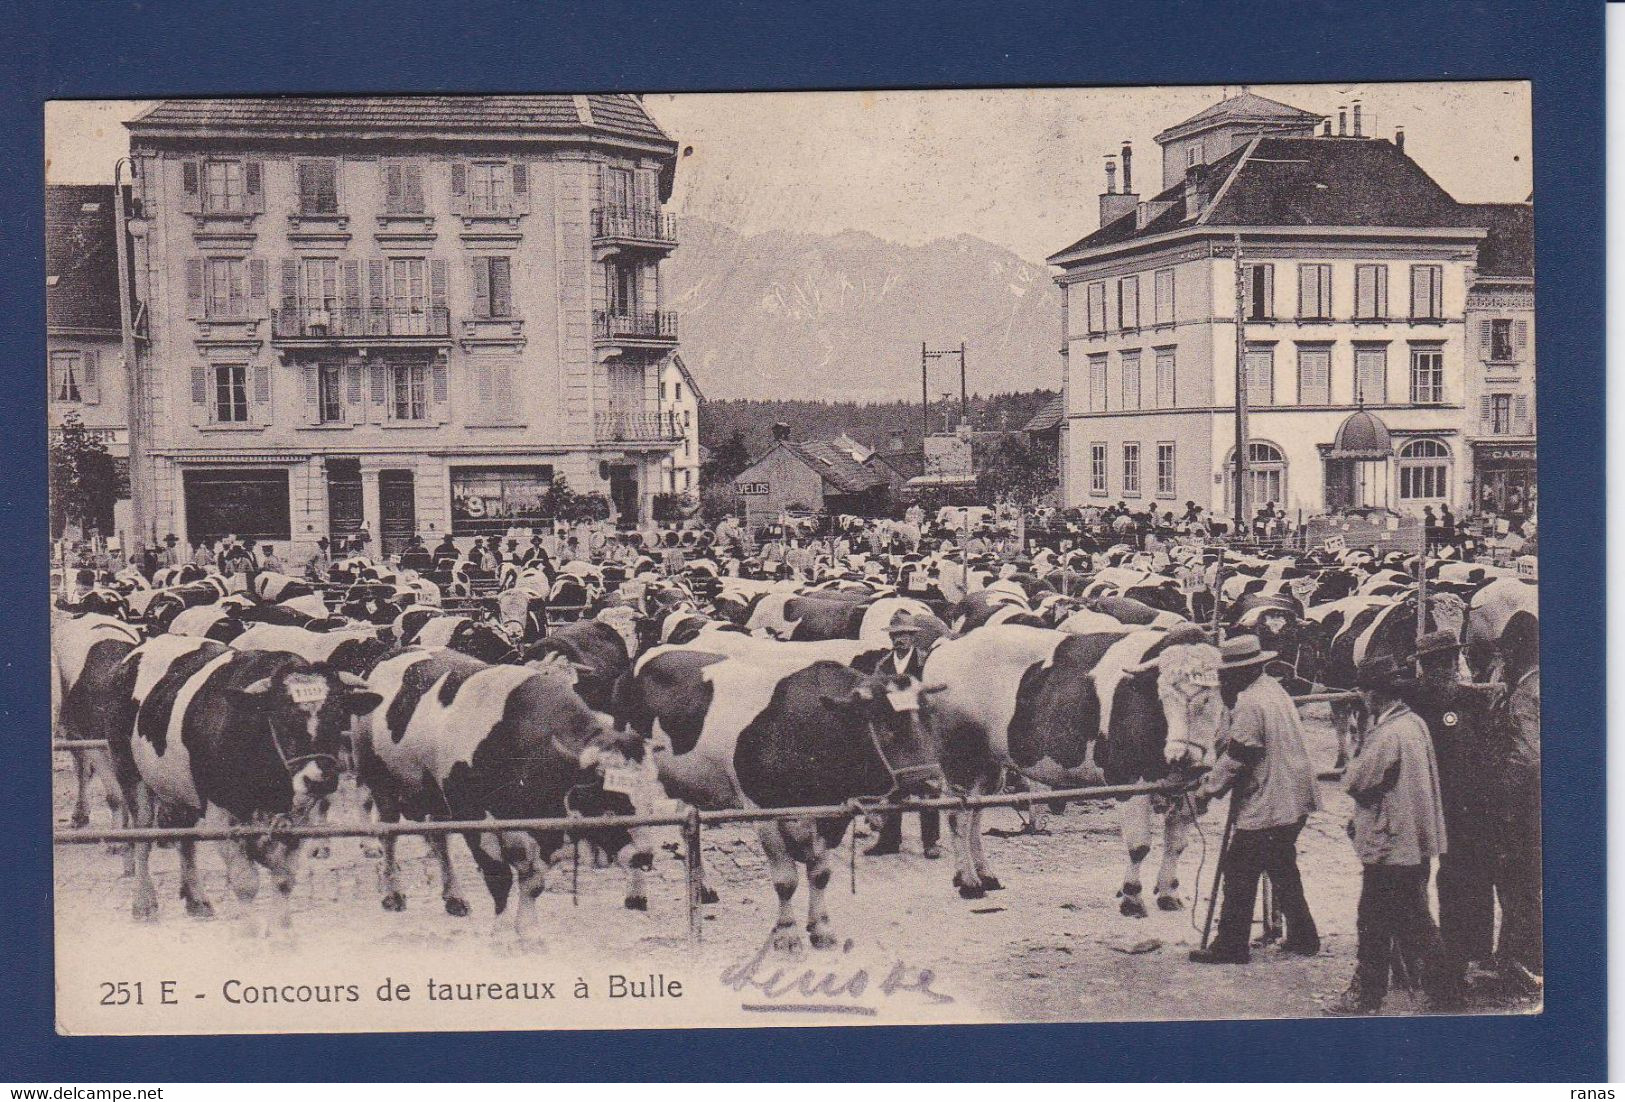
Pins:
x,y
245,699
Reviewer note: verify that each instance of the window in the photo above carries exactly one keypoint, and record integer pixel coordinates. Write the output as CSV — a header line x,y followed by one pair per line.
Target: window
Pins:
x,y
622,289
1165,469
1424,471
223,191
1314,292
230,392
1427,376
1314,376
1128,302
1165,379
488,188
1131,469
319,287
1097,383
1427,292
318,186
1497,414
223,288
403,187
1266,477
677,391
1370,376
330,393
1131,380
1097,468
1163,290
408,296
1096,293
409,389
1261,376
493,287
1193,155
1370,292
1258,291
68,382
617,189
1500,341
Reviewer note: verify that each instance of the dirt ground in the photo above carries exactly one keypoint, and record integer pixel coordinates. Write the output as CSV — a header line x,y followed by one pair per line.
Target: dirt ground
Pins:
x,y
1052,946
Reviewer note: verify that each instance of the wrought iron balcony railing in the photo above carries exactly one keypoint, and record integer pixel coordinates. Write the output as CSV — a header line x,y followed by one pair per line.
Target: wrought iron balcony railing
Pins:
x,y
354,322
658,326
614,425
633,224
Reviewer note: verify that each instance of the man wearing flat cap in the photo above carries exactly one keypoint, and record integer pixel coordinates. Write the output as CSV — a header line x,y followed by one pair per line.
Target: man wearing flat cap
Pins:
x,y
1397,830
1264,765
911,637
1459,717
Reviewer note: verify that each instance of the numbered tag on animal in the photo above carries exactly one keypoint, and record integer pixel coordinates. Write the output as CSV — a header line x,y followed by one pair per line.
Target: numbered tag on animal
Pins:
x,y
625,779
1303,588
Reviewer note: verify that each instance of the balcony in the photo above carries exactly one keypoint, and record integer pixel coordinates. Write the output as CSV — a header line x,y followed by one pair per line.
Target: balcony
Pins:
x,y
361,323
657,329
649,427
629,227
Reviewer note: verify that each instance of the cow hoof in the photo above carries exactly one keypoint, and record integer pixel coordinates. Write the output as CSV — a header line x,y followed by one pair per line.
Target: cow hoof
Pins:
x,y
79,821
371,849
1133,906
394,901
707,895
787,940
968,891
1170,903
636,903
200,908
455,907
821,939
990,882
318,852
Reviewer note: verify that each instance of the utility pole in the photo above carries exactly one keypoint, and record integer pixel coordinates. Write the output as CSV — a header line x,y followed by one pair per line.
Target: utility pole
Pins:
x,y
925,398
964,392
1241,394
134,392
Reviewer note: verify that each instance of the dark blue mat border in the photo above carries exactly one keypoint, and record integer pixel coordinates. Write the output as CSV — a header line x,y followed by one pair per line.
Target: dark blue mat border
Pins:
x,y
75,48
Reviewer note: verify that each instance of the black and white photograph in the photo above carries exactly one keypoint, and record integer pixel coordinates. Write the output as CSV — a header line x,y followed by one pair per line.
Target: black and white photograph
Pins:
x,y
584,561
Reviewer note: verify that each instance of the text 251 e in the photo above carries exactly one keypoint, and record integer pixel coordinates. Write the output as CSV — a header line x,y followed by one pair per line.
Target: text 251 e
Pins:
x,y
131,993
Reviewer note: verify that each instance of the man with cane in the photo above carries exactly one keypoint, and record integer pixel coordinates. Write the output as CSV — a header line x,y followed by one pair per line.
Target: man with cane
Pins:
x,y
1264,766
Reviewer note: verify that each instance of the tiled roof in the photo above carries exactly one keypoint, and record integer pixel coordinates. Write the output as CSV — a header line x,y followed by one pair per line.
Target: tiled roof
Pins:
x,y
1048,417
836,467
1509,248
1302,182
615,114
81,257
1246,107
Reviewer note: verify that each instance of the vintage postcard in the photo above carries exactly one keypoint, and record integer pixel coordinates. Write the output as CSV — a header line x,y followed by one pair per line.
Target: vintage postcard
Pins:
x,y
513,555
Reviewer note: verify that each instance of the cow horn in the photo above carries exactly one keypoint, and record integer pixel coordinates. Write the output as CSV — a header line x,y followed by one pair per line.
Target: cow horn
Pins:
x,y
580,667
927,690
350,679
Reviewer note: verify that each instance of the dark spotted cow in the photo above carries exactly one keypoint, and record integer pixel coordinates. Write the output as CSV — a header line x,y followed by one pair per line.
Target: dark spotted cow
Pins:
x,y
273,588
1066,709
599,651
205,731
208,622
459,739
85,652
466,635
1503,607
734,733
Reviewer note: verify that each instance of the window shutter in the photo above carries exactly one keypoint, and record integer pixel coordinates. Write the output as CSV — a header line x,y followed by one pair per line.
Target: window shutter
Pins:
x,y
200,393
504,392
437,297
1486,414
482,391
1486,338
1382,291
377,323
1421,298
1520,415
194,288
441,391
352,388
191,186
394,189
262,392
256,286
380,390
313,391
482,287
90,390
521,178
290,293
1520,334
1308,287
352,297
254,186
459,186
412,188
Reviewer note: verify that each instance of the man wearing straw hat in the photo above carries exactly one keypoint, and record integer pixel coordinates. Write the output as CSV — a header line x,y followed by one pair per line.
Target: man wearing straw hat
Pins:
x,y
1397,830
1266,768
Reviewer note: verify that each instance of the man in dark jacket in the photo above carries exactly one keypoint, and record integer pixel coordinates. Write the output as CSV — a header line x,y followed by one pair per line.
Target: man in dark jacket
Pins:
x,y
910,641
1516,784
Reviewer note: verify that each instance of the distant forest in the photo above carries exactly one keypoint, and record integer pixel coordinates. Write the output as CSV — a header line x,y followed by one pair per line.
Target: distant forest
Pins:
x,y
869,423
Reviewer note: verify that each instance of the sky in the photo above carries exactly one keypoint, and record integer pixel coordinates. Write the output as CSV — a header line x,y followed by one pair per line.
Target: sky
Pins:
x,y
1018,167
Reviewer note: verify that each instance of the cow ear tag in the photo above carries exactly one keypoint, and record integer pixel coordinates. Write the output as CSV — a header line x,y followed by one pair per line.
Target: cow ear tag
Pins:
x,y
306,694
903,700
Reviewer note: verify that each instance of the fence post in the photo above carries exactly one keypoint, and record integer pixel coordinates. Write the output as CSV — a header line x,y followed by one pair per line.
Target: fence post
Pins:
x,y
695,872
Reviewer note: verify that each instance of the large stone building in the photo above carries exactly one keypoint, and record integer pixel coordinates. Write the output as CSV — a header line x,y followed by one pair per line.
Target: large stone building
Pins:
x,y
1501,360
407,313
83,339
1353,286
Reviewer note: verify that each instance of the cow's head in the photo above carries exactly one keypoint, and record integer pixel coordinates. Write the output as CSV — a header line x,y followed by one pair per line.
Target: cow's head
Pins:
x,y
1187,675
310,711
891,707
1448,612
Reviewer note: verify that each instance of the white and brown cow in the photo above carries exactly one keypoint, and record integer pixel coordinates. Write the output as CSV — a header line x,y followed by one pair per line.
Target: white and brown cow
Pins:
x,y
1067,709
205,731
459,739
738,733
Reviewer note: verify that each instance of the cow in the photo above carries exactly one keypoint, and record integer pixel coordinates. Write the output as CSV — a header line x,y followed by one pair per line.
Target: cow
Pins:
x,y
598,650
1145,702
85,652
736,733
208,622
273,588
460,739
522,615
1504,606
466,635
206,731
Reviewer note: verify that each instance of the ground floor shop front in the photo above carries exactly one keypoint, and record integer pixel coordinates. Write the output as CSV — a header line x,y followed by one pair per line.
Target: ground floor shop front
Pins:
x,y
291,499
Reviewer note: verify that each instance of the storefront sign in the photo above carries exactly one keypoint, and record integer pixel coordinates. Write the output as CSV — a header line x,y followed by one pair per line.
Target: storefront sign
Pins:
x,y
493,499
753,488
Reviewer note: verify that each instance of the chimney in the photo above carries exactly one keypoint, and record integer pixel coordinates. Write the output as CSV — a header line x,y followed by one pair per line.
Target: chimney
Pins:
x,y
1342,122
896,439
1326,131
1357,132
1128,162
1115,204
1193,193
781,430
1399,138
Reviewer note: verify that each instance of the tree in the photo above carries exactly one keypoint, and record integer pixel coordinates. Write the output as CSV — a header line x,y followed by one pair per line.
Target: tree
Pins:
x,y
1016,471
84,480
727,463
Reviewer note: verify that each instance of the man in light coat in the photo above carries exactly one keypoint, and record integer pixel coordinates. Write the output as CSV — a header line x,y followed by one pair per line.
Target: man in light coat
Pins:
x,y
1398,829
